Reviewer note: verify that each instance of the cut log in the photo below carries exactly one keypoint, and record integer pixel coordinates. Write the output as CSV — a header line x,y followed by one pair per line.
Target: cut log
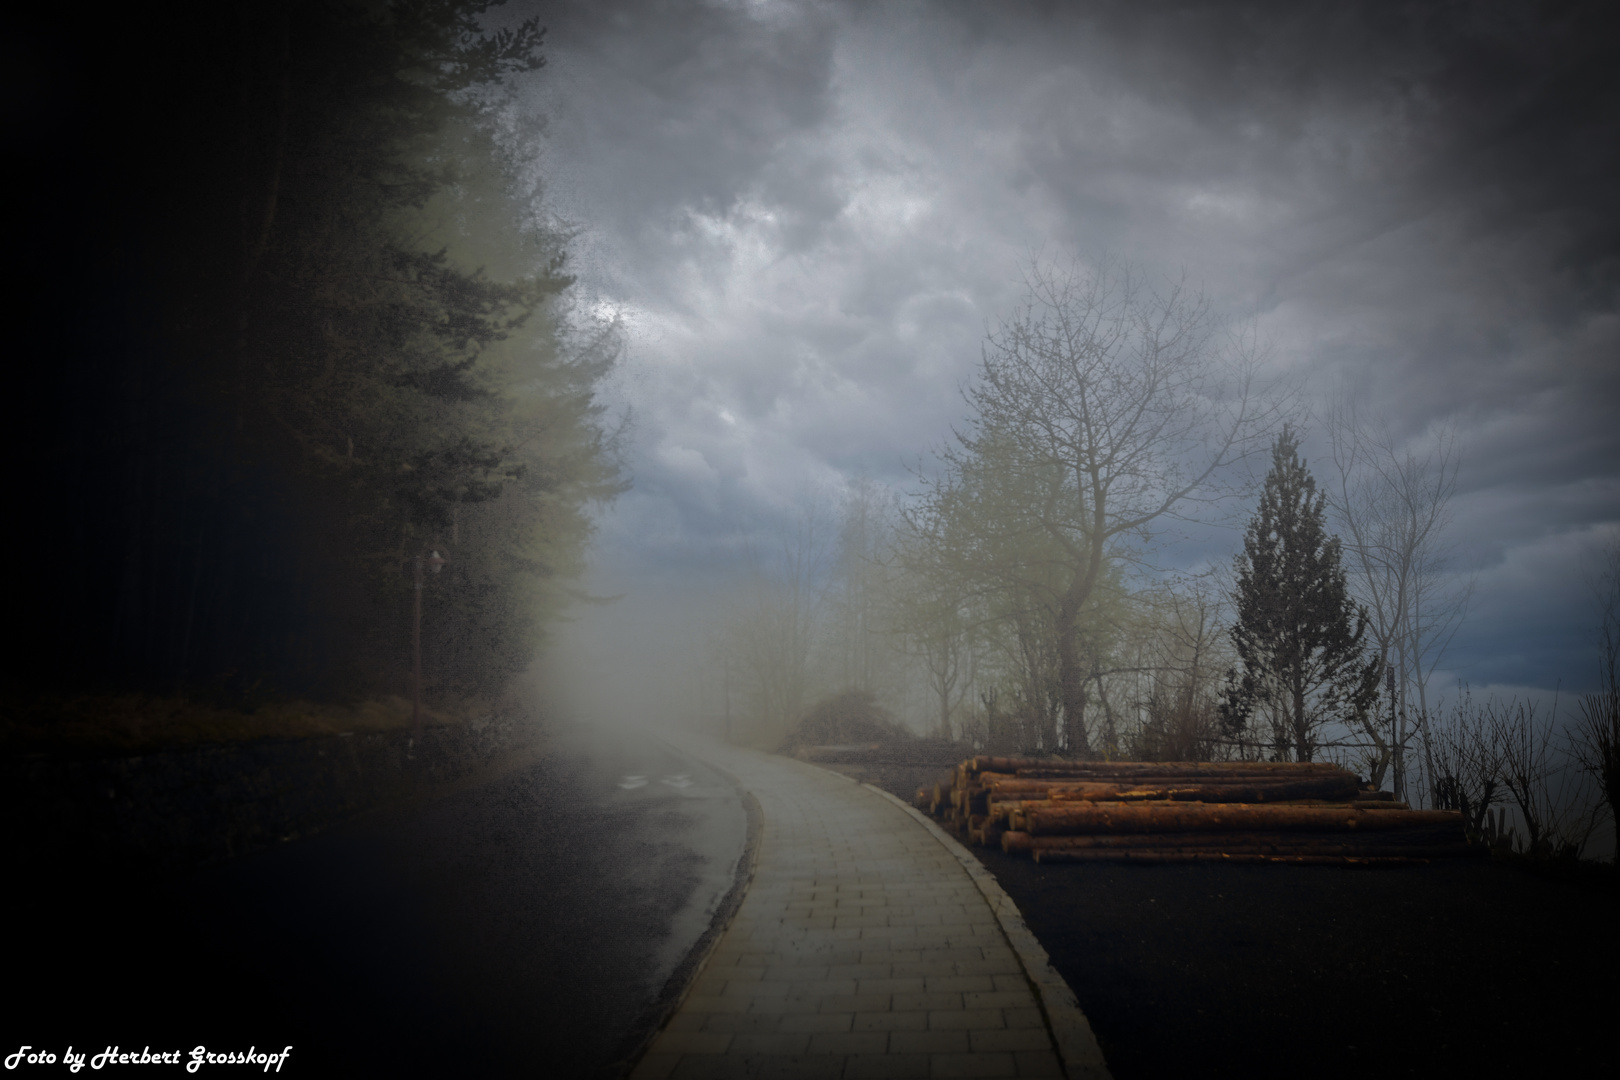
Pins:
x,y
985,778
1064,798
1429,836
1342,787
1353,804
1172,777
1086,817
1124,768
1427,843
987,835
1044,857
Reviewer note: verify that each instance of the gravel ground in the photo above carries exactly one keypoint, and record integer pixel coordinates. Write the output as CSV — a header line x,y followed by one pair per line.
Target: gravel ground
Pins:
x,y
1451,969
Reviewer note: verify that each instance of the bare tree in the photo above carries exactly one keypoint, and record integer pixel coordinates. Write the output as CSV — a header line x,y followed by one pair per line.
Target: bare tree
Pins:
x,y
1463,763
1110,403
859,645
1595,735
771,628
976,541
928,612
1556,818
1186,652
1393,503
1523,743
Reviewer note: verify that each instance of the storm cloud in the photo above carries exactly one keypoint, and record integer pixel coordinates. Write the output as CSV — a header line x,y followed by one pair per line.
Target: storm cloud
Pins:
x,y
808,214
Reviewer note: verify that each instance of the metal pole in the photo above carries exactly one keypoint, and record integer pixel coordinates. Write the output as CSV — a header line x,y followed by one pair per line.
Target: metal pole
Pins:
x,y
416,658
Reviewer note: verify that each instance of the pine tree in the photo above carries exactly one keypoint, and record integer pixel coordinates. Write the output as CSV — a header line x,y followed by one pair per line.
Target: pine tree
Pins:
x,y
314,330
1298,634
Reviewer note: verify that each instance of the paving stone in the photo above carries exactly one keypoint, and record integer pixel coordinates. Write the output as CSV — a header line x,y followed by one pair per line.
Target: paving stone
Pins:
x,y
709,986
1000,999
926,1000
1023,1018
770,1042
1014,1039
795,972
1000,966
751,990
850,1042
711,1067
862,949
738,1022
715,1004
656,1066
889,986
966,1020
691,1042
960,952
856,1003
862,973
955,983
887,1067
974,1065
685,1021
928,1042
1037,1063
891,1021
816,1021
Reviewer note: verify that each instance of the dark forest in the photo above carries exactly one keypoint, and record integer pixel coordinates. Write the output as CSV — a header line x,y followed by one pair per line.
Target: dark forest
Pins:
x,y
287,327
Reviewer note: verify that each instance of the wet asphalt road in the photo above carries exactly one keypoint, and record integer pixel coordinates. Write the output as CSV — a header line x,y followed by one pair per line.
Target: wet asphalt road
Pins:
x,y
522,926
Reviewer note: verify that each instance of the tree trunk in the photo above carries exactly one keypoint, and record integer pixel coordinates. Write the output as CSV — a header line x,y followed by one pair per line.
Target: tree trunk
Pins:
x,y
1302,735
1072,682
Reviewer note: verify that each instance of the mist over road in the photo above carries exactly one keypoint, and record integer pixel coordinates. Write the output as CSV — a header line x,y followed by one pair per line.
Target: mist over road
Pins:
x,y
528,922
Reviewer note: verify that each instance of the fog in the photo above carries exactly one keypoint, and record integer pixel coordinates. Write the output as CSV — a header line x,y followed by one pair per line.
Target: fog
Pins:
x,y
442,460
807,216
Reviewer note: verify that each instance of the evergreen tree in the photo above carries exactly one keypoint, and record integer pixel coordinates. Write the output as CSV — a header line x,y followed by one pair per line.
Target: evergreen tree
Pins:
x,y
313,331
1298,634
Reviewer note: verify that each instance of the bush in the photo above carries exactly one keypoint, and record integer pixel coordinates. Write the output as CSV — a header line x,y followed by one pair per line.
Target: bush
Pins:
x,y
848,717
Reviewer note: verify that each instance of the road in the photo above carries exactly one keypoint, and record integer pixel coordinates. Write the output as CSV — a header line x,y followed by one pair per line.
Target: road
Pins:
x,y
525,924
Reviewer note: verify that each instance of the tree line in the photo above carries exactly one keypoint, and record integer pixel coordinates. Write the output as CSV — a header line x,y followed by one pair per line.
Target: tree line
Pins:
x,y
295,323
1015,600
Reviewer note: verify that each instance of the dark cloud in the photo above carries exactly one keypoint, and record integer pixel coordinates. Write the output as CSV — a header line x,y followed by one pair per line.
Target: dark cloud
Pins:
x,y
686,107
809,212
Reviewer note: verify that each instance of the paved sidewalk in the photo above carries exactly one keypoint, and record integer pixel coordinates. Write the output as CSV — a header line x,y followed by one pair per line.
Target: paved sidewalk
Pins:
x,y
863,949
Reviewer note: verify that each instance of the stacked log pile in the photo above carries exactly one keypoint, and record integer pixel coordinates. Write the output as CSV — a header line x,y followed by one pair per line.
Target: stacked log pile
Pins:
x,y
1078,811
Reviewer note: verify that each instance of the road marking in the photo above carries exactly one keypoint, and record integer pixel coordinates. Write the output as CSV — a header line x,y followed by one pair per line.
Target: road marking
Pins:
x,y
679,781
630,783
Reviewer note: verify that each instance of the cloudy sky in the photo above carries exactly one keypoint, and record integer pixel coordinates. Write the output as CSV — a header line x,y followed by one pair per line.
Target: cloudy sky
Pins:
x,y
807,213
